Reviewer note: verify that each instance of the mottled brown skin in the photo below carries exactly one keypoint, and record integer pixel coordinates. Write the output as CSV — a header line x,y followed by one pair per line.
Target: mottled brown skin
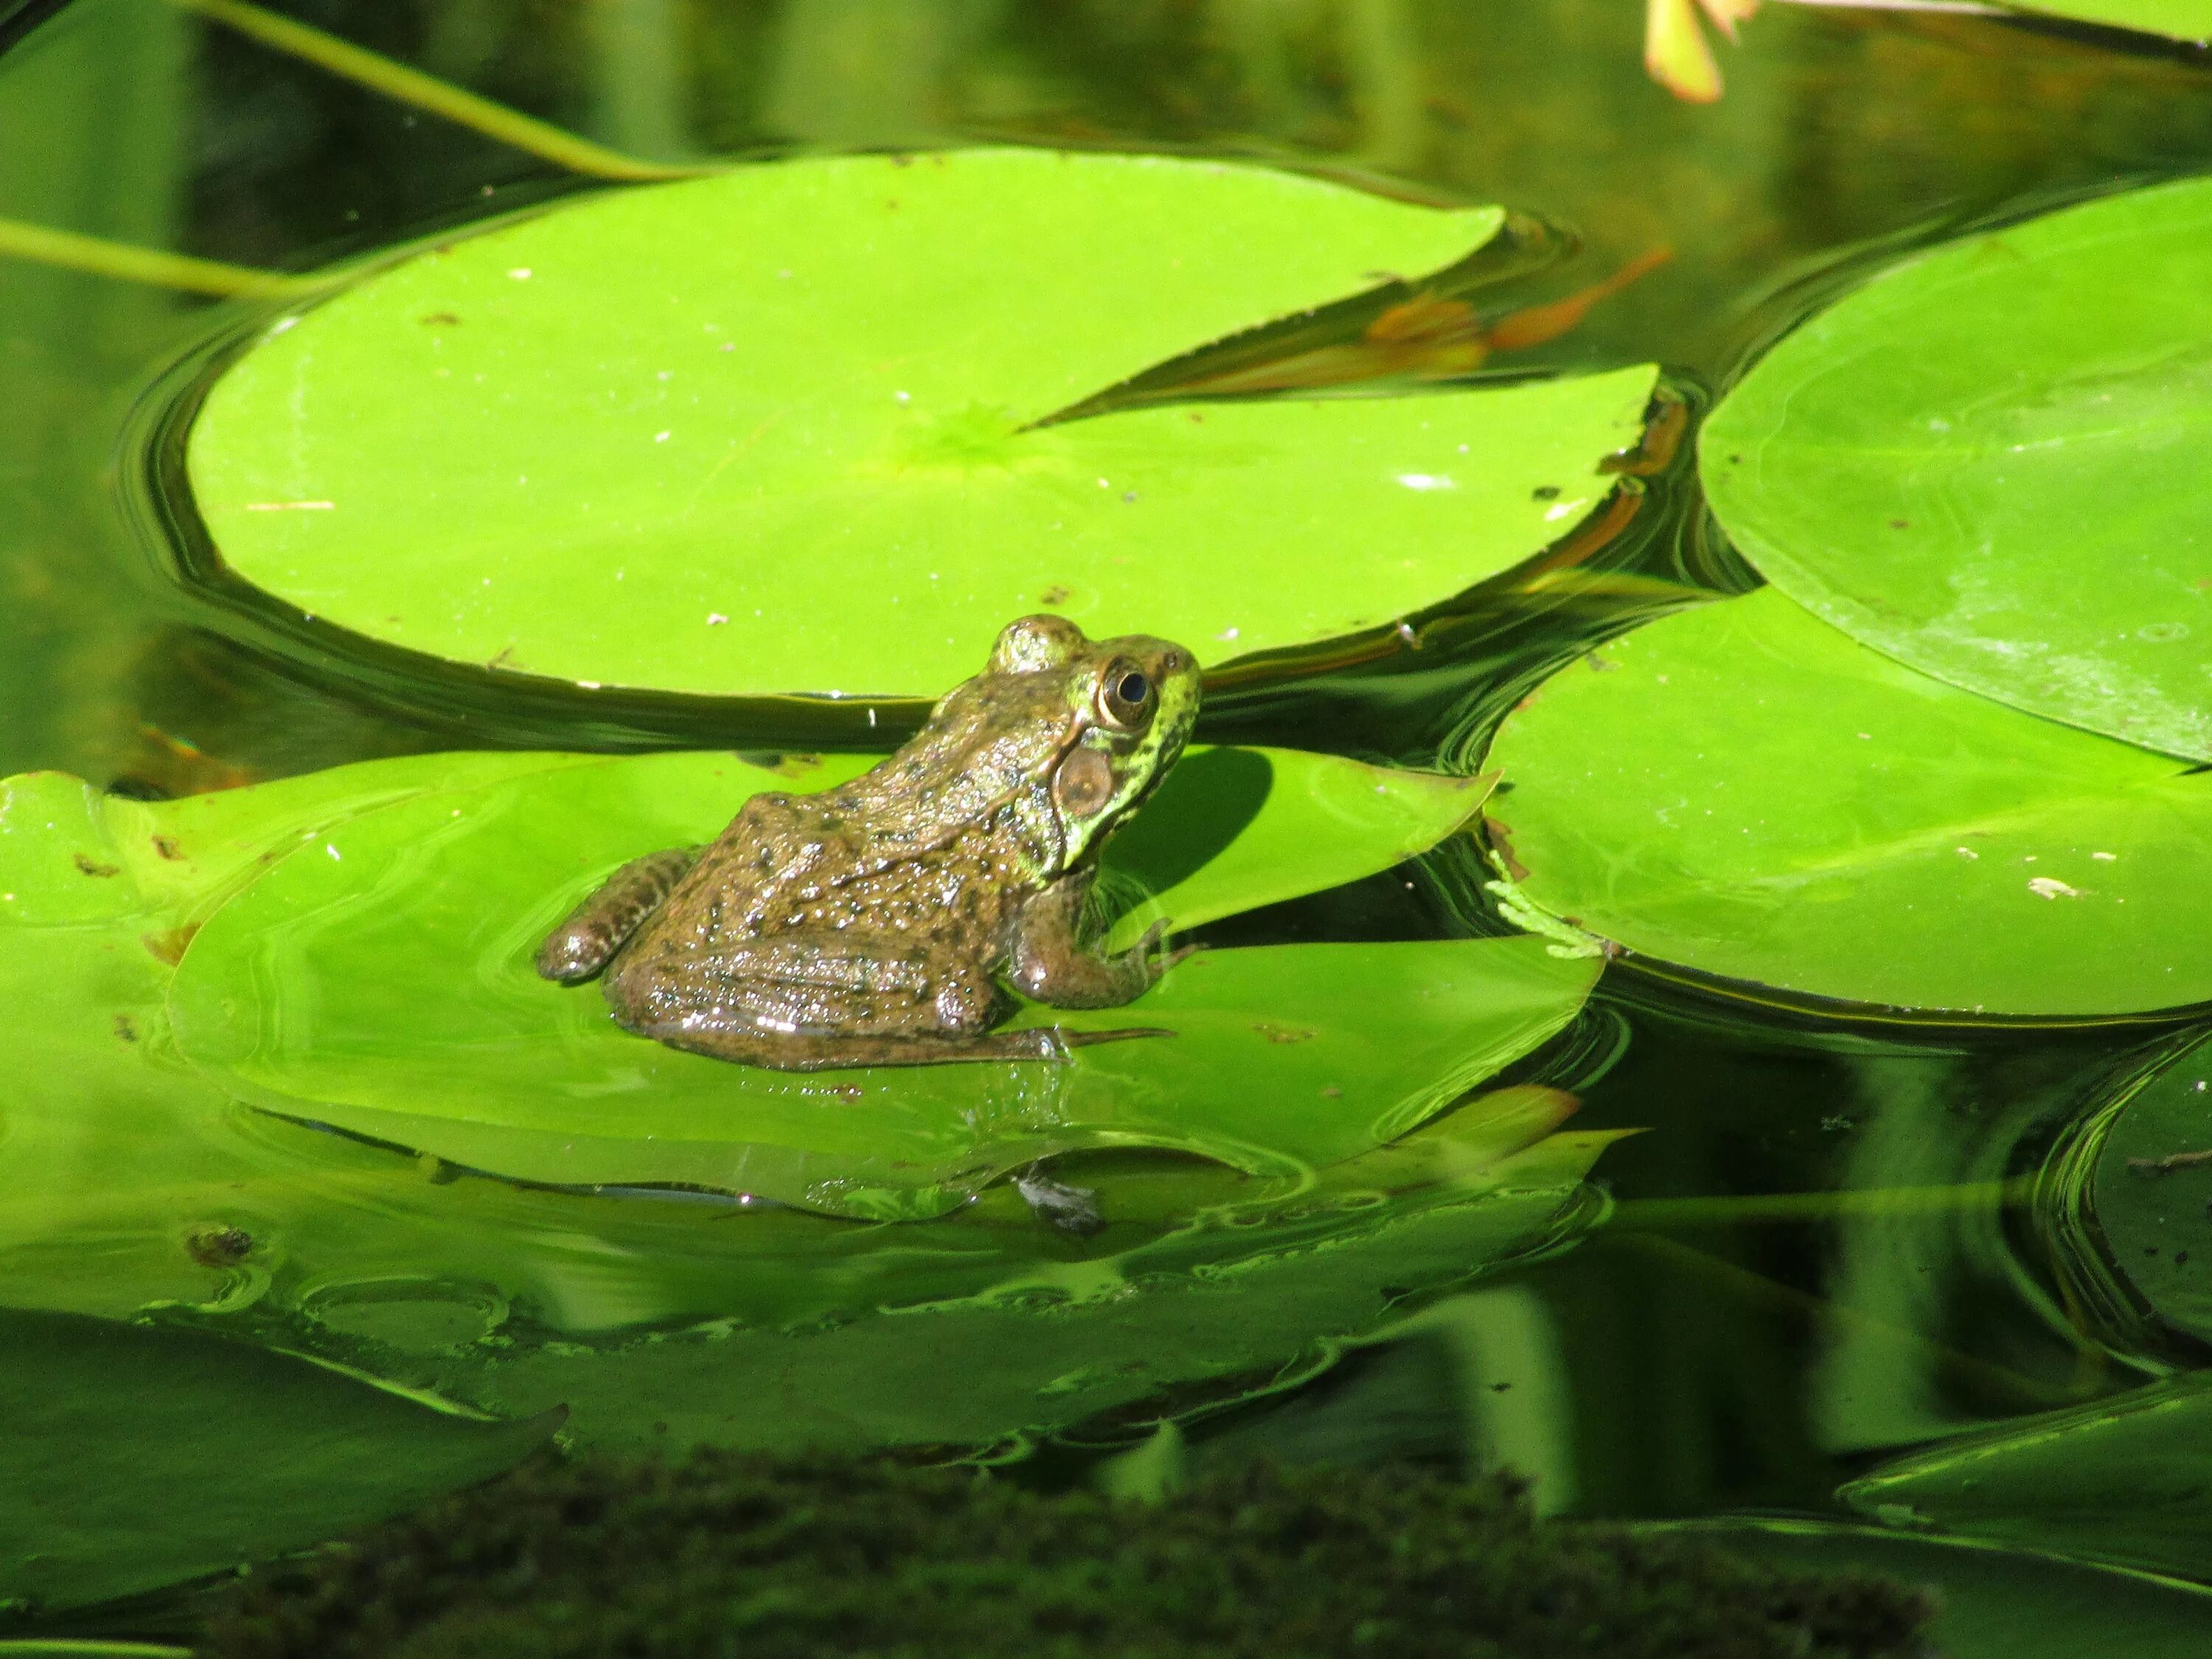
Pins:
x,y
871,925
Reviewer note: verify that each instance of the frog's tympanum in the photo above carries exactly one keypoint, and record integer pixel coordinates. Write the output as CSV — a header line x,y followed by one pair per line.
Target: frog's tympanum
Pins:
x,y
869,925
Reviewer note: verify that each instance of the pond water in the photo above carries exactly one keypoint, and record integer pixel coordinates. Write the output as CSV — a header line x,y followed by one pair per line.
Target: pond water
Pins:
x,y
1834,1239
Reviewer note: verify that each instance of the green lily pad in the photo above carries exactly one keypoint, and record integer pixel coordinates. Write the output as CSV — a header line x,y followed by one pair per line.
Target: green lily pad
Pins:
x,y
2124,1480
1742,790
1042,1345
1997,1604
137,1187
770,431
380,980
2184,20
1988,462
136,1458
2150,1186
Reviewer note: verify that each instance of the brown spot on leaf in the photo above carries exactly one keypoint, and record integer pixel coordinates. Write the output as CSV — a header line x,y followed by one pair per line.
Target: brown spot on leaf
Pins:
x,y
441,319
1056,594
126,1027
1275,1033
87,865
1501,842
167,947
168,847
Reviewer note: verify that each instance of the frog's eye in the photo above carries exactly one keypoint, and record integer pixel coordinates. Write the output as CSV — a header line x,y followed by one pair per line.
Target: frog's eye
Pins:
x,y
1125,695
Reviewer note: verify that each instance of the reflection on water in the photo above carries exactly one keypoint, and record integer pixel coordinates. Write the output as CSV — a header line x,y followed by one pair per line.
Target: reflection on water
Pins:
x,y
1819,1252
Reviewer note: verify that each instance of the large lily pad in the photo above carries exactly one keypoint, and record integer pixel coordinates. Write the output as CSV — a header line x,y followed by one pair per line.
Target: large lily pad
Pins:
x,y
1988,463
769,431
1742,790
382,983
138,1187
136,1458
2184,19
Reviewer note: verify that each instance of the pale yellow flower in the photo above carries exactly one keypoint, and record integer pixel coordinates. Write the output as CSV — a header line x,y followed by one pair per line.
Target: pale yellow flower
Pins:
x,y
1675,48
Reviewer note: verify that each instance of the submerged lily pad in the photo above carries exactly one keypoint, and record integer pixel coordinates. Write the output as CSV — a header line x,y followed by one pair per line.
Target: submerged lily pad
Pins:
x,y
136,1458
381,982
2124,1480
911,1355
2151,1186
1996,1604
1744,791
1989,463
770,431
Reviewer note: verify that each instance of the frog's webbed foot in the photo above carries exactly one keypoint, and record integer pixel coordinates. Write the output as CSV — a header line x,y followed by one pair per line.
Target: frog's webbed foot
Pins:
x,y
1049,961
581,946
1070,1209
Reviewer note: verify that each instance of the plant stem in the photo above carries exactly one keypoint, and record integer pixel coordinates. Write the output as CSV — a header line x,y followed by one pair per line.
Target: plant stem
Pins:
x,y
73,251
427,92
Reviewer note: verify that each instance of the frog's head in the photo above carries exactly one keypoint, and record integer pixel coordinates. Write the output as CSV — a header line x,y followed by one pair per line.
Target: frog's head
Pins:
x,y
1129,706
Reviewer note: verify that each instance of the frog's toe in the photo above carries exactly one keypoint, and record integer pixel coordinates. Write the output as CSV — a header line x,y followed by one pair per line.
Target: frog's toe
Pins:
x,y
1070,1209
1146,957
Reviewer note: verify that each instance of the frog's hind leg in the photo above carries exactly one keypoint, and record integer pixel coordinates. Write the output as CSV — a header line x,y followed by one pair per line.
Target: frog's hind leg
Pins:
x,y
824,1051
803,1002
599,926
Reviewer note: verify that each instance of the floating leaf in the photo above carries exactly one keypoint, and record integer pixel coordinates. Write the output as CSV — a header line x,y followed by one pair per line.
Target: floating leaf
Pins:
x,y
134,1183
769,431
381,981
2184,20
1233,829
136,1458
1988,462
2124,1480
2150,1187
1064,1338
1997,1604
1742,790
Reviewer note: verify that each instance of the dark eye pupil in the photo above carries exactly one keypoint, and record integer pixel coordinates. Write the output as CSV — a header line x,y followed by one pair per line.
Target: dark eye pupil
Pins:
x,y
1133,689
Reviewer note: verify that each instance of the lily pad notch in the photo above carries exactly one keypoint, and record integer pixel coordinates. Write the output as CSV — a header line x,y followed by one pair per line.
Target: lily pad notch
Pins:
x,y
770,432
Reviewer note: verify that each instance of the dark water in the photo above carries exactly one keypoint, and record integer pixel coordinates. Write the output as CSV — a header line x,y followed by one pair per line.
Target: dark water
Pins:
x,y
1710,1347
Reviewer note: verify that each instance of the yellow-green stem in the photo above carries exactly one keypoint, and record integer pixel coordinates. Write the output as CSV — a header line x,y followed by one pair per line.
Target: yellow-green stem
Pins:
x,y
441,98
156,266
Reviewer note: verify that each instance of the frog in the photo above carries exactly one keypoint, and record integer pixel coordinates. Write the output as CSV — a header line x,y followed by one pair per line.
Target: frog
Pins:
x,y
886,921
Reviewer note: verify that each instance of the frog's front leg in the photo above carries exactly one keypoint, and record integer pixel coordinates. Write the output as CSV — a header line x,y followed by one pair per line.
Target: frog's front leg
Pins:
x,y
1049,961
603,923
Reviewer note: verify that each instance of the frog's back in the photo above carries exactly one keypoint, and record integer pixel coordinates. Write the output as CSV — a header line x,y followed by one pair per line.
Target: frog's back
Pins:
x,y
859,859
